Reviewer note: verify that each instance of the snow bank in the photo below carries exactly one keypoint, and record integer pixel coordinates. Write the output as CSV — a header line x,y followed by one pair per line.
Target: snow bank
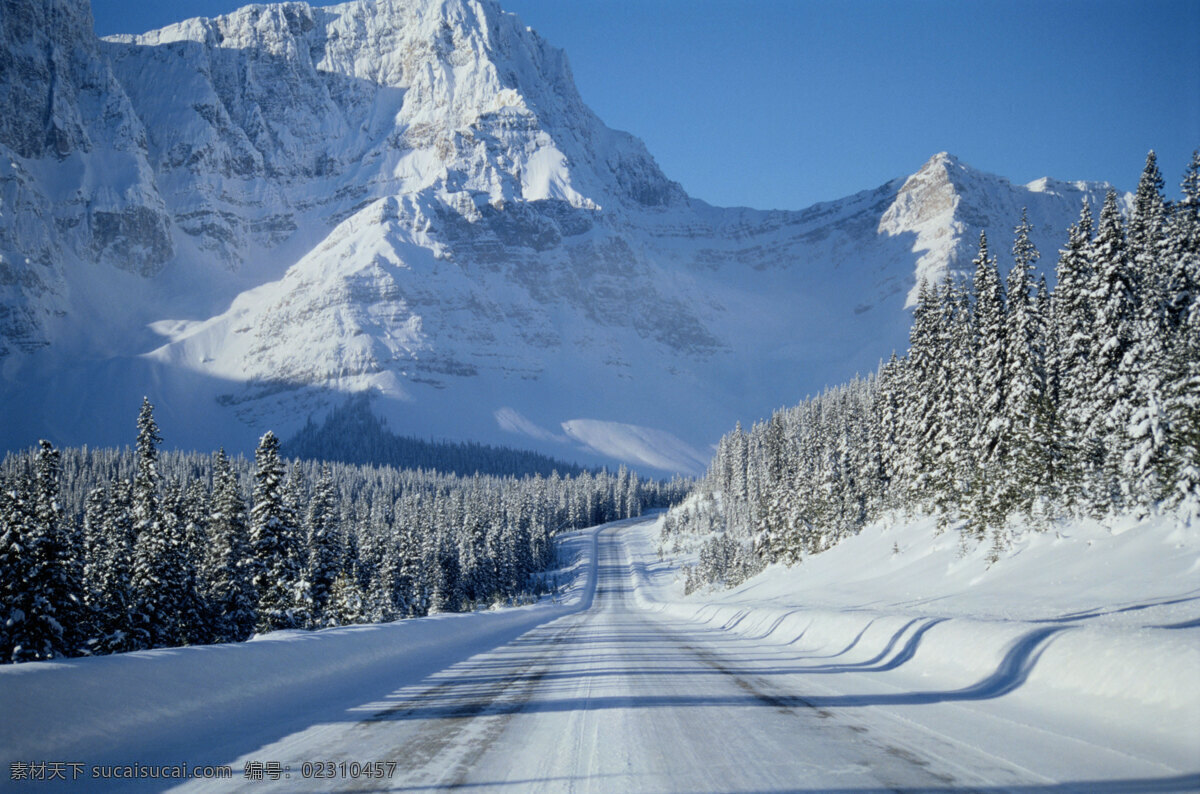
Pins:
x,y
1091,626
163,704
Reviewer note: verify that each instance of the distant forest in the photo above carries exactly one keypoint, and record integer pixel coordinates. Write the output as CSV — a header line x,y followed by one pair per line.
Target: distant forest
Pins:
x,y
351,433
103,551
1015,405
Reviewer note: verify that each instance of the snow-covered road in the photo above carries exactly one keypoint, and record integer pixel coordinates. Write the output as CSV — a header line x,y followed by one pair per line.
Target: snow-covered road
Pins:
x,y
616,697
622,686
613,698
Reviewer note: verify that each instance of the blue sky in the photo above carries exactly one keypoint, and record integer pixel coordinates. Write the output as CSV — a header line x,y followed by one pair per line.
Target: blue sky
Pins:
x,y
783,103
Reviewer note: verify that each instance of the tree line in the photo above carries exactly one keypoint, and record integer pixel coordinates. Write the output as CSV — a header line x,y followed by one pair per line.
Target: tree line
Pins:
x,y
1014,402
106,551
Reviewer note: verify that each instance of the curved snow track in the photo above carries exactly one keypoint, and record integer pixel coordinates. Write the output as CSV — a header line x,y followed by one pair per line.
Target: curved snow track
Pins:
x,y
599,694
616,697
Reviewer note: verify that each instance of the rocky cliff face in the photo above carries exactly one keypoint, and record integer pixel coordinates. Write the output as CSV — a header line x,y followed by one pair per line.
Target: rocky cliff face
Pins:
x,y
75,184
255,215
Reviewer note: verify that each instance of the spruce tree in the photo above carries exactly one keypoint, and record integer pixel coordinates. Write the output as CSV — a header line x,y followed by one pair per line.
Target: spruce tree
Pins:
x,y
1048,443
116,598
346,604
1113,337
28,559
226,580
961,386
923,418
295,496
62,545
13,566
1025,372
1180,466
272,572
149,616
322,544
1149,254
184,537
95,551
1072,326
991,437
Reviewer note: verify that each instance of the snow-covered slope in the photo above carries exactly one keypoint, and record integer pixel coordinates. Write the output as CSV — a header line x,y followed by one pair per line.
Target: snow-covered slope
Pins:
x,y
249,217
1088,630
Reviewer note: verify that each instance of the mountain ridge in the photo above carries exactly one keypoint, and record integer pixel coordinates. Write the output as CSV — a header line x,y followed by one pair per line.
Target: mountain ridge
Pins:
x,y
409,199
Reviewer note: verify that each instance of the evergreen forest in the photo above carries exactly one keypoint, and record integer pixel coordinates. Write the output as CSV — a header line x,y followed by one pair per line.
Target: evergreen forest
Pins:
x,y
1015,406
106,551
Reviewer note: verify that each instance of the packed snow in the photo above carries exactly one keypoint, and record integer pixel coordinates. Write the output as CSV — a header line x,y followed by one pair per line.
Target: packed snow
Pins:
x,y
1090,629
892,661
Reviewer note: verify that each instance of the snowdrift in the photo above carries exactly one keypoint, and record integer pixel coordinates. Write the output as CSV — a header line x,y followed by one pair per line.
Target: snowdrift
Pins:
x,y
1092,631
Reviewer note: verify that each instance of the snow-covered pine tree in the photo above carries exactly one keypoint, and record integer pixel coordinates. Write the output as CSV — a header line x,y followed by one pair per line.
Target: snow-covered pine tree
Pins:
x,y
1145,242
226,572
185,517
962,399
1181,465
115,598
295,497
1048,444
62,580
31,630
923,419
540,545
472,546
498,561
1025,371
776,540
1181,251
409,596
346,605
273,572
991,436
888,411
33,585
1113,337
382,590
445,574
323,544
1073,318
94,552
1146,433
151,552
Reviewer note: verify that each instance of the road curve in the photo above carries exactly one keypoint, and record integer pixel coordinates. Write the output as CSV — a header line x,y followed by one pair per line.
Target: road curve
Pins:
x,y
610,698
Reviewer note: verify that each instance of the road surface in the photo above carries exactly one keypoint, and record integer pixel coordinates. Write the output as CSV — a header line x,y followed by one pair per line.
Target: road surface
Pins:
x,y
616,697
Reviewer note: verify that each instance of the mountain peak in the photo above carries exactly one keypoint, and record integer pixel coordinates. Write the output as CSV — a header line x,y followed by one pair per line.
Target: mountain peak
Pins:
x,y
456,95
946,203
258,214
941,159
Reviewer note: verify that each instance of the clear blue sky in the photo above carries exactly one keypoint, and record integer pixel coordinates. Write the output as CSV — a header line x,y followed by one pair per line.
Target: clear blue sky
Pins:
x,y
783,103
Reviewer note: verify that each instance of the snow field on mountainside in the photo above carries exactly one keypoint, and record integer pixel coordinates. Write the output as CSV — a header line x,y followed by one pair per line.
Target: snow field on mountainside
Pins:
x,y
415,194
1089,630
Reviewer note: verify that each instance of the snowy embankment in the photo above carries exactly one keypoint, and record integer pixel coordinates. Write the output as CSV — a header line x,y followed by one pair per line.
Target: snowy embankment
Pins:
x,y
1090,631
170,705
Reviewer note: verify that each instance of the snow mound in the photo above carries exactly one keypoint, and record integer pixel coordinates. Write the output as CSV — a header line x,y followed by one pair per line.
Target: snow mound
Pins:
x,y
1090,630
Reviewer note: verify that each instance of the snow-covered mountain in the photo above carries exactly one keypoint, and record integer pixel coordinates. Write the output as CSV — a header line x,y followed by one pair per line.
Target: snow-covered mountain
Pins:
x,y
249,217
